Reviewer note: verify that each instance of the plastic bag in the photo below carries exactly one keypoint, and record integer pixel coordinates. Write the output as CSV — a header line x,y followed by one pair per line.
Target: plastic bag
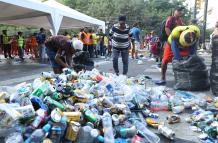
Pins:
x,y
191,74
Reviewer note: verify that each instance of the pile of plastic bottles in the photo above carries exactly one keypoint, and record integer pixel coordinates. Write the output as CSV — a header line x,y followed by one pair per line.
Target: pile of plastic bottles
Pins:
x,y
94,107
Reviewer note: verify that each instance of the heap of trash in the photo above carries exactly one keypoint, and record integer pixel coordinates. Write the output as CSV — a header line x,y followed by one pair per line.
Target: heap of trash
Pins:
x,y
94,107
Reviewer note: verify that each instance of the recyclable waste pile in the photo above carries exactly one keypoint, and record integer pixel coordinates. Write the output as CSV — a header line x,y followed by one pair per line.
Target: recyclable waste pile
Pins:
x,y
94,107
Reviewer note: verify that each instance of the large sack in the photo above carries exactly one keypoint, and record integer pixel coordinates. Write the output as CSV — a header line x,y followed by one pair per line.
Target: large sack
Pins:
x,y
214,66
191,74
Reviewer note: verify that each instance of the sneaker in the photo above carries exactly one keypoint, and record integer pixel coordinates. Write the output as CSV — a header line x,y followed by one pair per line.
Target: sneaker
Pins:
x,y
160,82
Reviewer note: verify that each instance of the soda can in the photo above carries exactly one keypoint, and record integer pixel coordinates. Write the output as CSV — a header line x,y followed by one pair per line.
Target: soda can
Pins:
x,y
167,132
56,115
73,116
52,103
128,132
72,130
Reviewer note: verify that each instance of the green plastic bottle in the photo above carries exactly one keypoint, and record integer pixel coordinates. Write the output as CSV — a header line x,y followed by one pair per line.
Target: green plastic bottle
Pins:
x,y
211,131
41,90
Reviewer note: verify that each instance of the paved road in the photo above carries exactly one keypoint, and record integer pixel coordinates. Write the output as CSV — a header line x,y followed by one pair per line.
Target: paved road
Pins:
x,y
12,73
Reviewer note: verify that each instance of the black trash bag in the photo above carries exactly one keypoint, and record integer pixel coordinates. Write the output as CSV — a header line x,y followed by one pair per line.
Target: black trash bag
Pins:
x,y
82,61
214,66
191,74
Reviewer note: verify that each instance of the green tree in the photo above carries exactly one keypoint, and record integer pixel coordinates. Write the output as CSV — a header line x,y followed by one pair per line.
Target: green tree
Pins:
x,y
148,13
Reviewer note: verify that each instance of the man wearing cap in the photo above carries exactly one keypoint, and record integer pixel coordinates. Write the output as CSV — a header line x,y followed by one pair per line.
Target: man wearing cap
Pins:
x,y
60,50
181,43
121,44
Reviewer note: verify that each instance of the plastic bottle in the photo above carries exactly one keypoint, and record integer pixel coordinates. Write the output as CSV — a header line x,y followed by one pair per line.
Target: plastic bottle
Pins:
x,y
56,134
15,137
158,106
41,114
84,134
108,129
39,134
41,90
149,136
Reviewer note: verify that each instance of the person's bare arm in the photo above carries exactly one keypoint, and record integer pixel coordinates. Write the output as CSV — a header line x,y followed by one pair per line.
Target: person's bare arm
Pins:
x,y
58,59
168,31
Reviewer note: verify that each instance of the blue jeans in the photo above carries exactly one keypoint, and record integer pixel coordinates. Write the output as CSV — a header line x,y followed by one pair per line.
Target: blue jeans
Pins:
x,y
42,52
51,55
176,50
125,60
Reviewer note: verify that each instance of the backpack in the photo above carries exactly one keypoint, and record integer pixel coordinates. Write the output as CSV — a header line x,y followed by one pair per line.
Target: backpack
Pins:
x,y
162,33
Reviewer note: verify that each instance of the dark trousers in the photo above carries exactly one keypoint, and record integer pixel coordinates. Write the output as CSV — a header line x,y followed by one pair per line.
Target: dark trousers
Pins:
x,y
125,60
7,50
95,50
91,50
21,52
85,47
102,50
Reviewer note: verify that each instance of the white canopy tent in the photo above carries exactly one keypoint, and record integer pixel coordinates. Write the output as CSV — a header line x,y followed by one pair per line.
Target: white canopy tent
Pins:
x,y
50,15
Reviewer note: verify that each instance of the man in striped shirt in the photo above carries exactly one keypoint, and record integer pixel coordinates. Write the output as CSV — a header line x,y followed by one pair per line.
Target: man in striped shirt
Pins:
x,y
120,44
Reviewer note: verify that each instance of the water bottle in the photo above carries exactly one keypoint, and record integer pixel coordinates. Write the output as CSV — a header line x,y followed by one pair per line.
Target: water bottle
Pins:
x,y
41,90
56,134
15,137
39,134
108,129
84,134
41,114
145,133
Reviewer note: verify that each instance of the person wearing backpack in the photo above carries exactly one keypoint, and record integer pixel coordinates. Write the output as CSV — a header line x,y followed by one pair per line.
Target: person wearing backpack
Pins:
x,y
167,27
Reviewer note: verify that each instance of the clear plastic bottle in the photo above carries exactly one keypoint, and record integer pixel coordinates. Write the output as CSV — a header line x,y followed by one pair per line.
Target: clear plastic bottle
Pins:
x,y
15,137
149,136
84,135
108,129
39,134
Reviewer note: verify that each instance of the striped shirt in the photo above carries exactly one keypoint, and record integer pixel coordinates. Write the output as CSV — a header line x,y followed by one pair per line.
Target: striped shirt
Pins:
x,y
120,38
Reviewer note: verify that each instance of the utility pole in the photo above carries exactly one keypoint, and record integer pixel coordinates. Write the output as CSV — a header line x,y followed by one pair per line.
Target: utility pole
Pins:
x,y
205,24
195,9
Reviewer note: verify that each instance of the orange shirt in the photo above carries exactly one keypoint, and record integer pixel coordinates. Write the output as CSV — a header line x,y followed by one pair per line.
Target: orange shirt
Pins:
x,y
33,41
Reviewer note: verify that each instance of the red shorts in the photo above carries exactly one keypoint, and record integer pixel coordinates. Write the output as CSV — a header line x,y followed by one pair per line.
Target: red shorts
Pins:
x,y
168,54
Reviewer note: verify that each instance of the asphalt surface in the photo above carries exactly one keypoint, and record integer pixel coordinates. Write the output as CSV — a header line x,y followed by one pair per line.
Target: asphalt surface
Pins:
x,y
12,73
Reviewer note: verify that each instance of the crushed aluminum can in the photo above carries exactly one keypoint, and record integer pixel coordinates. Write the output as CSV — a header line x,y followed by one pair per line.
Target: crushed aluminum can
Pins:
x,y
72,130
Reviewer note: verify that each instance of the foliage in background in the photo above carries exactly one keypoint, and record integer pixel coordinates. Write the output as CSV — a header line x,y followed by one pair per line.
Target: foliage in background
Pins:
x,y
148,13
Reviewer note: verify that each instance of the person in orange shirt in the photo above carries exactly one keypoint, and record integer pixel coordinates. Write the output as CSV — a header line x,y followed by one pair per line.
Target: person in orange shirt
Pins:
x,y
90,43
34,45
14,45
28,45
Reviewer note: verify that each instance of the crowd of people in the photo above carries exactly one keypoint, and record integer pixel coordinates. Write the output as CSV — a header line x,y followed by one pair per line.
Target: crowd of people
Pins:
x,y
174,41
17,45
